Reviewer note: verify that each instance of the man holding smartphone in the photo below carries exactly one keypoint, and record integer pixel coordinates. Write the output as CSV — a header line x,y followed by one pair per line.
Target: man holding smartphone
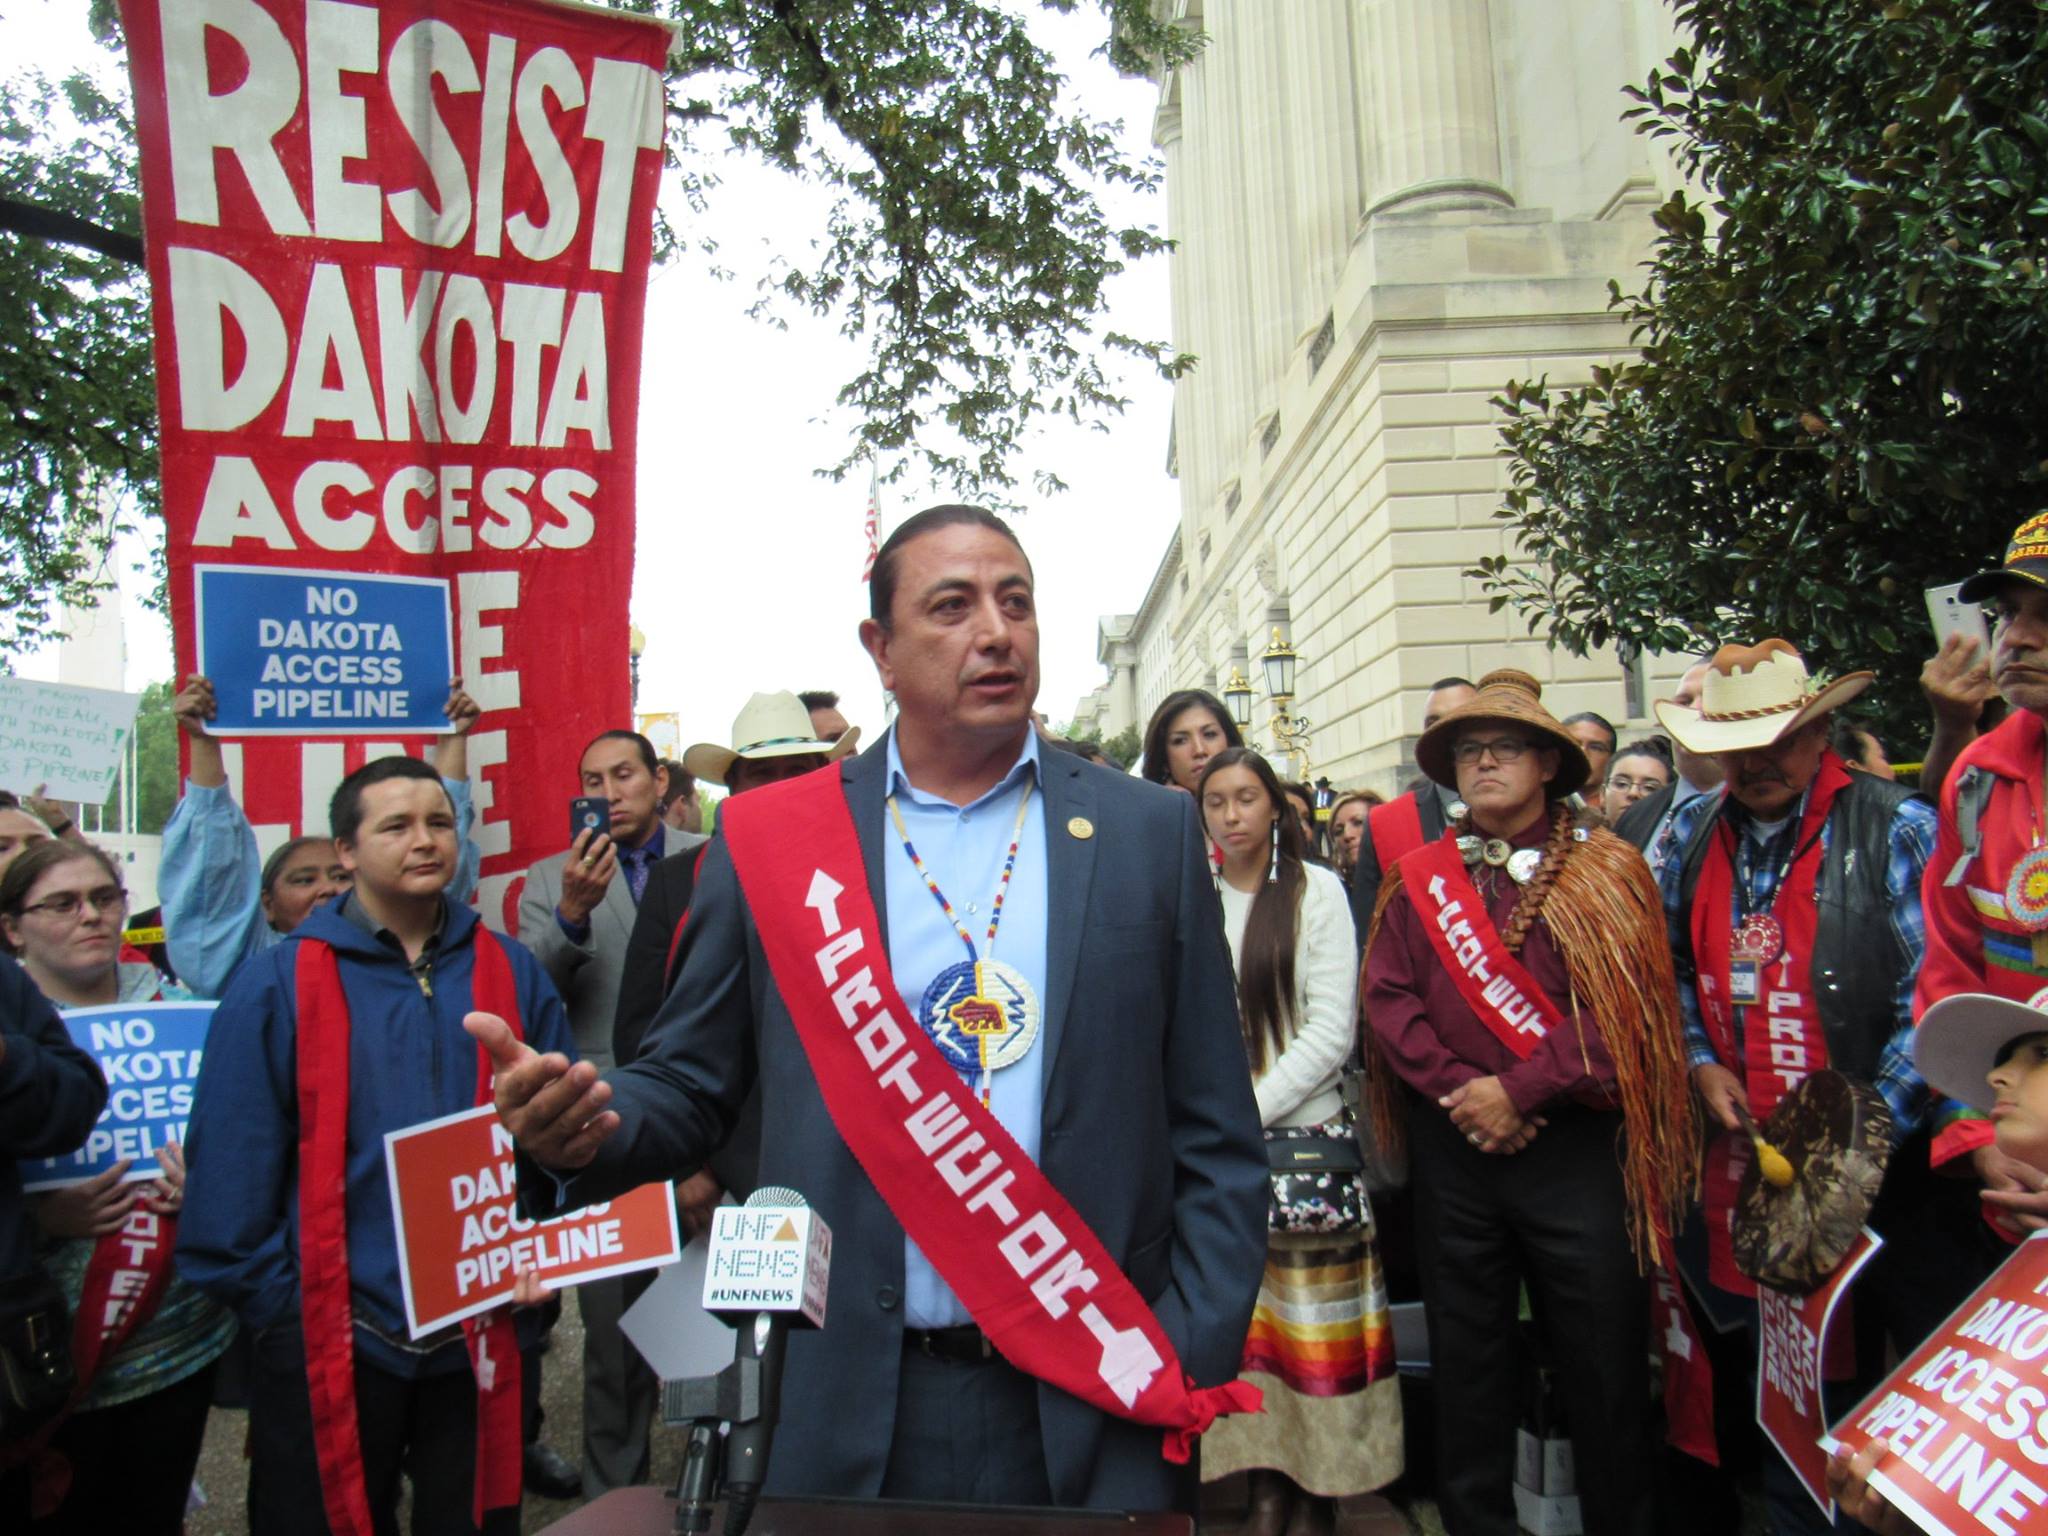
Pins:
x,y
576,915
1986,895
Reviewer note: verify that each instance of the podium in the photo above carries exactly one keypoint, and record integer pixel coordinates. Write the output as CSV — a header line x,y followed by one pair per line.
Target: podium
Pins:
x,y
651,1511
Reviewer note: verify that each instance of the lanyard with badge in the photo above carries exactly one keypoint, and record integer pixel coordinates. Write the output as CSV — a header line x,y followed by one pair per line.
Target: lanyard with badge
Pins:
x,y
1759,937
979,1012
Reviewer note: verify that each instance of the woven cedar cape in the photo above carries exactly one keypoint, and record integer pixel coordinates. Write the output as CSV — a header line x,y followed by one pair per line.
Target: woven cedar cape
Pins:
x,y
1606,918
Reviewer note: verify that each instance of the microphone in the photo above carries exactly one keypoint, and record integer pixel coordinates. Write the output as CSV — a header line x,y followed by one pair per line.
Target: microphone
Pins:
x,y
765,1273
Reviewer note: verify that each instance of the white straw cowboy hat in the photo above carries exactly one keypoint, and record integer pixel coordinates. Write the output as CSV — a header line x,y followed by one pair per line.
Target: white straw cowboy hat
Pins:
x,y
1962,1037
771,725
1755,695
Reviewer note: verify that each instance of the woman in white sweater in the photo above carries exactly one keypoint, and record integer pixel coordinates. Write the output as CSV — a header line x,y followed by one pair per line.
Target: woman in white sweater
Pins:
x,y
1321,1343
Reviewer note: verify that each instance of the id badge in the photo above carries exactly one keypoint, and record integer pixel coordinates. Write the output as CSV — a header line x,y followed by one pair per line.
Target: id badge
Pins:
x,y
1745,981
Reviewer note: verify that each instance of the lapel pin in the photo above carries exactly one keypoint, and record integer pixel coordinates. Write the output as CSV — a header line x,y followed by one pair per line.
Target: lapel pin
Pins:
x,y
1081,827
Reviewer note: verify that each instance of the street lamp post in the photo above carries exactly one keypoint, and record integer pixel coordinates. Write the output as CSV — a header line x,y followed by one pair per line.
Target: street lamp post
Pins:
x,y
1237,693
1289,731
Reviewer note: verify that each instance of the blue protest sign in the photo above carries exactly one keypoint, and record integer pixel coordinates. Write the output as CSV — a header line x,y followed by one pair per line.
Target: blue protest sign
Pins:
x,y
323,653
150,1054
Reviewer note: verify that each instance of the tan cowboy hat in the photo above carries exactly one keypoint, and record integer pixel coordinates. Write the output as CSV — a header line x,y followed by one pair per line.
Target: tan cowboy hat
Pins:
x,y
771,725
1755,695
1513,698
1962,1037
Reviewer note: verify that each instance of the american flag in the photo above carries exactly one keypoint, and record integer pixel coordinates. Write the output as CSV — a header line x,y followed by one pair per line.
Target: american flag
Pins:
x,y
873,523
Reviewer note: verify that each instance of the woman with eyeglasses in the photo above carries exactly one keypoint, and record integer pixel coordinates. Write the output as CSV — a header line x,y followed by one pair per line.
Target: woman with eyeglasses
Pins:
x,y
1637,772
1524,1019
1321,1346
130,1444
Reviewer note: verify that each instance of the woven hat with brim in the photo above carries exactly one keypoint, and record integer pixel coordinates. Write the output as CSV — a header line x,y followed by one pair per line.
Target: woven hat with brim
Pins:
x,y
1754,695
1961,1038
2026,559
1509,698
771,725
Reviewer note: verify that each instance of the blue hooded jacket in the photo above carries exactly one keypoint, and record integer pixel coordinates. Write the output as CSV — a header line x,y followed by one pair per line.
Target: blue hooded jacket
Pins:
x,y
409,1061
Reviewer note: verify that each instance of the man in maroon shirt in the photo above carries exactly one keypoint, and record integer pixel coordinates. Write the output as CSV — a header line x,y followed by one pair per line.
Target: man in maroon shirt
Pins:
x,y
1520,993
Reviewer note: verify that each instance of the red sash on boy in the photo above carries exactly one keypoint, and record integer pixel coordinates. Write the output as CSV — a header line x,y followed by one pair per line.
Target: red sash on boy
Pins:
x,y
326,1308
1495,985
1038,1282
1782,1041
1513,1006
1395,829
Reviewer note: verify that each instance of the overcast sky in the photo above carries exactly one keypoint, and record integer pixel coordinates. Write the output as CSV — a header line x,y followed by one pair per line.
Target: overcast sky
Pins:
x,y
748,566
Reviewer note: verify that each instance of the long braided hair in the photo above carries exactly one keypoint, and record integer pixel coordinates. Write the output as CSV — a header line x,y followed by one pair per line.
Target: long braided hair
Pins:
x,y
1556,849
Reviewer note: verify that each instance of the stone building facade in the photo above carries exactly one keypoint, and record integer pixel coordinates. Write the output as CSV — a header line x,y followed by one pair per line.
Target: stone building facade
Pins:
x,y
1384,210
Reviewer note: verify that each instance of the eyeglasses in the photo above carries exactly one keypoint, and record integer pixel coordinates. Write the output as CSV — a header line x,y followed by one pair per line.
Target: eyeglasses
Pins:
x,y
1623,782
108,898
1506,749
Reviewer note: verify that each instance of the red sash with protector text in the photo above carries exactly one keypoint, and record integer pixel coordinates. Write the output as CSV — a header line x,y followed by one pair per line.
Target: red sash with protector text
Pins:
x,y
1782,1040
1495,985
1395,829
1037,1281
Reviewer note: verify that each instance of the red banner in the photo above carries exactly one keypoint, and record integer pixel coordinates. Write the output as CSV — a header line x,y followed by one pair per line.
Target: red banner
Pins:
x,y
461,1237
1794,1353
1964,1418
398,255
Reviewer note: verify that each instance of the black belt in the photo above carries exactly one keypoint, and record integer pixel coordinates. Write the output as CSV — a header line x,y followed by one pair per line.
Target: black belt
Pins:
x,y
963,1343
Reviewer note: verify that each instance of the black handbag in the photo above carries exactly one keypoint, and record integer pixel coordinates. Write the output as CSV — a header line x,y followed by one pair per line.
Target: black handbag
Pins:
x,y
1385,1173
37,1374
1316,1178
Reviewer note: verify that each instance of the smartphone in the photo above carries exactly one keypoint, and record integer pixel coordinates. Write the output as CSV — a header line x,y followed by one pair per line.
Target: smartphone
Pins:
x,y
589,813
1952,616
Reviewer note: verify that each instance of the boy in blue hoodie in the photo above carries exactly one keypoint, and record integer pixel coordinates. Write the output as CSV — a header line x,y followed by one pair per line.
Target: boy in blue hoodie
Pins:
x,y
350,1028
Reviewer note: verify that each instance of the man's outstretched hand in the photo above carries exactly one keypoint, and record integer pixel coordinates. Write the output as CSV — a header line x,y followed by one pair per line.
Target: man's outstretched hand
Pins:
x,y
555,1111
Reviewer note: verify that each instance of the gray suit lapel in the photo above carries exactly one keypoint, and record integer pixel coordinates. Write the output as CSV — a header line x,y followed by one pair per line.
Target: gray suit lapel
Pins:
x,y
1070,867
617,909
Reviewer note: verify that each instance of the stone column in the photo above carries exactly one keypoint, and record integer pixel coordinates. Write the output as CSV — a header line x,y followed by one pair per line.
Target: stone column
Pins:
x,y
1427,66
1258,34
1183,196
1213,155
1323,110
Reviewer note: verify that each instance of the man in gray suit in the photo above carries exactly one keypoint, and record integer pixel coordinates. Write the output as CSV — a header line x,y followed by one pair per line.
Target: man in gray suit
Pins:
x,y
576,915
1133,1100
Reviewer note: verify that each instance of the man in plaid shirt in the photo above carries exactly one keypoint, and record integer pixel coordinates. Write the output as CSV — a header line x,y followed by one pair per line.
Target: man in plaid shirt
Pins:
x,y
1794,907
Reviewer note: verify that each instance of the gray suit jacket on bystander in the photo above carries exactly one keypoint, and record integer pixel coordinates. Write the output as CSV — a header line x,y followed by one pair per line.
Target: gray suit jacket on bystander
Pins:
x,y
586,974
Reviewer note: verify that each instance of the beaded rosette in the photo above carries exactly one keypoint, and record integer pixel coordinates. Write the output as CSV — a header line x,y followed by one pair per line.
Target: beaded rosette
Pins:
x,y
2026,891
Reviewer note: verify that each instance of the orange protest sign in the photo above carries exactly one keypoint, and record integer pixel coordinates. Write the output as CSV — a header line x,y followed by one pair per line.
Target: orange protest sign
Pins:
x,y
1792,1351
460,1237
1964,1418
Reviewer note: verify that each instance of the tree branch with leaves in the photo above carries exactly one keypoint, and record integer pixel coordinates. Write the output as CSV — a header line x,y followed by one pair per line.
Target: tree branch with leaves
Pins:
x,y
1838,399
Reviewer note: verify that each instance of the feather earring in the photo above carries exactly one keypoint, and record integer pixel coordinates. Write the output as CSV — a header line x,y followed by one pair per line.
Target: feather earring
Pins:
x,y
1273,869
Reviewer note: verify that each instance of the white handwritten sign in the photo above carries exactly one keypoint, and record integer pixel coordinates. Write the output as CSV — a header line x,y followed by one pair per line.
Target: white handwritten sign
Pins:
x,y
70,739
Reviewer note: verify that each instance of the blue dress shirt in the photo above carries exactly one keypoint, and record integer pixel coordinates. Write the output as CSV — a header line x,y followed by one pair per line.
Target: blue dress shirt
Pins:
x,y
964,847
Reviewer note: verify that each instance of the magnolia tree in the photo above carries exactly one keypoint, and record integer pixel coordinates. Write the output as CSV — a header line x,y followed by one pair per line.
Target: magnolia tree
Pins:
x,y
1839,399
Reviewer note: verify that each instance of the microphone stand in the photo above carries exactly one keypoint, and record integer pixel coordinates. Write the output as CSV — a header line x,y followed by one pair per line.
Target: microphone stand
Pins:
x,y
697,1488
704,1404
